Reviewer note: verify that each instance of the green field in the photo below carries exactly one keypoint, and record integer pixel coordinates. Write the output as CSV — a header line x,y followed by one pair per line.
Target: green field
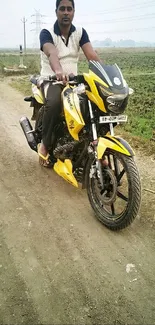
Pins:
x,y
138,67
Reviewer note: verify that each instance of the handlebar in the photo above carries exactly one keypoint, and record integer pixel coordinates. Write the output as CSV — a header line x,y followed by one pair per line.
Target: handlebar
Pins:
x,y
39,80
71,79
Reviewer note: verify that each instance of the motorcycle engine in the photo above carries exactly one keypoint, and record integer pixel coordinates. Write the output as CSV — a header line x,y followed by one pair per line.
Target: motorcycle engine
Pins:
x,y
65,148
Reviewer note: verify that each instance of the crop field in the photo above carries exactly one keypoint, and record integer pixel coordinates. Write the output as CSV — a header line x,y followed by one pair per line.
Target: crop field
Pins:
x,y
138,67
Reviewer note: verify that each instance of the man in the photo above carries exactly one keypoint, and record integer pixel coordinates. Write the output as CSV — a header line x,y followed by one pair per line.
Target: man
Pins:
x,y
59,56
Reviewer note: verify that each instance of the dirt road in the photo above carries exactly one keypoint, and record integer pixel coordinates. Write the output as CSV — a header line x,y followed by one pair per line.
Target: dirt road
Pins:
x,y
58,264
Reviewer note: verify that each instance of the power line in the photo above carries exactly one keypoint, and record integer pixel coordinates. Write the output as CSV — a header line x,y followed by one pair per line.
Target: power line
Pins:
x,y
124,30
118,20
120,9
132,18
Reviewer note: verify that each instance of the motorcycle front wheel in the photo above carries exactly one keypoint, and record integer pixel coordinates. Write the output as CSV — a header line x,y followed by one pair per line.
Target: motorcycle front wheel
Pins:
x,y
117,203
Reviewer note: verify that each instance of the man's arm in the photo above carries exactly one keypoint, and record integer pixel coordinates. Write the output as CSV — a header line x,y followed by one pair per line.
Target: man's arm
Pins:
x,y
51,52
90,53
87,48
47,46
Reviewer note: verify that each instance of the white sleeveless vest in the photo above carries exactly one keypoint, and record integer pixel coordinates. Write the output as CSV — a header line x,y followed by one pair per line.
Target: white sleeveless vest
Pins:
x,y
68,55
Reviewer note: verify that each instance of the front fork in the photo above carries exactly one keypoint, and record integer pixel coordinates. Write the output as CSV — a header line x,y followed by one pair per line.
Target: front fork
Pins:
x,y
95,143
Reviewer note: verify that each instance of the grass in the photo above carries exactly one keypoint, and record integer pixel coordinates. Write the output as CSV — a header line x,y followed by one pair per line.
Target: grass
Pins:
x,y
31,61
22,84
141,107
138,69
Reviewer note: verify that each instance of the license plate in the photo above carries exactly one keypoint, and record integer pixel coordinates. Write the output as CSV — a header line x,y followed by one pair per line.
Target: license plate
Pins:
x,y
113,119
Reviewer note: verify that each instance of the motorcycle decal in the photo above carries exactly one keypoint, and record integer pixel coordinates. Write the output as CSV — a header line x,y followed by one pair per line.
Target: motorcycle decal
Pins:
x,y
72,112
71,125
69,101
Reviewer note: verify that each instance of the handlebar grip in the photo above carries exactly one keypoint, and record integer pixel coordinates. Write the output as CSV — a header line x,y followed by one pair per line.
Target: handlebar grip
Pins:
x,y
73,78
53,78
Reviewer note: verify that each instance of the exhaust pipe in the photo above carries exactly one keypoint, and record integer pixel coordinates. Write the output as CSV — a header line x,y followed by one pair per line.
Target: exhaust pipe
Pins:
x,y
29,133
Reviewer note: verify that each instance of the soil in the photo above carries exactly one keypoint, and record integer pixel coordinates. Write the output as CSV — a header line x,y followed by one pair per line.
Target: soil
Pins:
x,y
58,264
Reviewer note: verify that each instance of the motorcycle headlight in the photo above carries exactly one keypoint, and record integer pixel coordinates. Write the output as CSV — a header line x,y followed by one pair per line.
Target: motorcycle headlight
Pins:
x,y
113,99
115,103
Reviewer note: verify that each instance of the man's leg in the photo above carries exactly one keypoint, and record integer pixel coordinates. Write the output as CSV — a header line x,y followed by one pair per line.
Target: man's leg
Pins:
x,y
51,113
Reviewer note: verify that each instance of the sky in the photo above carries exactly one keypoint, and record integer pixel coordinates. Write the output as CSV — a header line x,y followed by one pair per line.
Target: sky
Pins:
x,y
115,19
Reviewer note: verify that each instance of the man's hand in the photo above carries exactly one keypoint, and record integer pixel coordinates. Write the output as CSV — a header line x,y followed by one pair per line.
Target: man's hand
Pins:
x,y
61,76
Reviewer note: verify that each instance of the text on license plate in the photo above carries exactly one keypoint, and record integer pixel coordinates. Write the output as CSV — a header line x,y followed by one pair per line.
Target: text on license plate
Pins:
x,y
113,119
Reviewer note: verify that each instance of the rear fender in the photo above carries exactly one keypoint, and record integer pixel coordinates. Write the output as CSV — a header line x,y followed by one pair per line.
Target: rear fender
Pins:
x,y
115,143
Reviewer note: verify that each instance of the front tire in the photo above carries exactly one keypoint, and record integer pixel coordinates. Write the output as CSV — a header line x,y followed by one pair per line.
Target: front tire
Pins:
x,y
118,203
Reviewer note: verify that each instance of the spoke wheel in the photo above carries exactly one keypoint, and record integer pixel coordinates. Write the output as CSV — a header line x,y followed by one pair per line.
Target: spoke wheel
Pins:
x,y
116,204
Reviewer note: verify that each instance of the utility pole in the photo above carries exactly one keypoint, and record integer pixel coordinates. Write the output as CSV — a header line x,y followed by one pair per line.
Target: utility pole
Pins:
x,y
38,26
24,24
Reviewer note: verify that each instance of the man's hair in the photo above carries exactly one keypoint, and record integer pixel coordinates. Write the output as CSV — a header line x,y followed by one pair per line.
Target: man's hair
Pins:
x,y
58,2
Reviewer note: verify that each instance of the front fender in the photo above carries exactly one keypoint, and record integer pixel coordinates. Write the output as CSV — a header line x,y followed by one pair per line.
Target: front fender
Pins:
x,y
115,143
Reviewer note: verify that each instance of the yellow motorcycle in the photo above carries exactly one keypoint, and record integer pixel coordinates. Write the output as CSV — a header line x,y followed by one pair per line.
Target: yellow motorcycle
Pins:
x,y
84,148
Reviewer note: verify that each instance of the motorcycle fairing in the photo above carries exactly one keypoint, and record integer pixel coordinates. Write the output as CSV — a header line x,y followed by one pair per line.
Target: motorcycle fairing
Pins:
x,y
114,143
64,169
72,112
93,94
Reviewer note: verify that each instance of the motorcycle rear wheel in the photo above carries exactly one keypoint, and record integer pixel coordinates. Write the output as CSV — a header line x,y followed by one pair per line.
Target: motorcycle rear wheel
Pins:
x,y
117,204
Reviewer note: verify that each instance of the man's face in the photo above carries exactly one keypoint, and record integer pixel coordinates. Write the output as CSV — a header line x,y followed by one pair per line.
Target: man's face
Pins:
x,y
65,13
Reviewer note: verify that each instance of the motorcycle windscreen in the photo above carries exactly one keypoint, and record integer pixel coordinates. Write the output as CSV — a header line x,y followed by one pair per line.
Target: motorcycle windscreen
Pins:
x,y
72,112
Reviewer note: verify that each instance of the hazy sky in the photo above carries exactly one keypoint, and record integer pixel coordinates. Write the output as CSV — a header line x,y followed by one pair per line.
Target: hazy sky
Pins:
x,y
115,19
